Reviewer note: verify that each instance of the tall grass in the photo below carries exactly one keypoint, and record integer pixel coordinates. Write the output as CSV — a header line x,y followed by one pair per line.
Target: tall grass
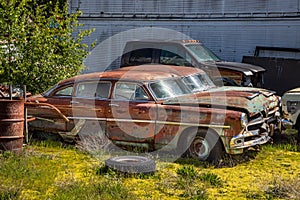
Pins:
x,y
104,189
283,188
47,170
53,170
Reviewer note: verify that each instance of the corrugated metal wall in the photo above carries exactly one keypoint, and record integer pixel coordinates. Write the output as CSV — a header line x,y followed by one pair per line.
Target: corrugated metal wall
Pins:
x,y
231,28
90,7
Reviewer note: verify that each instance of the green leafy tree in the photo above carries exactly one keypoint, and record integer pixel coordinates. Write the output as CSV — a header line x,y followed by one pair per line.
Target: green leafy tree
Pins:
x,y
39,46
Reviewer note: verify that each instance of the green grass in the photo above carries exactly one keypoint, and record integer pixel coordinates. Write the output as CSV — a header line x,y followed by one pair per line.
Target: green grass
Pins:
x,y
52,170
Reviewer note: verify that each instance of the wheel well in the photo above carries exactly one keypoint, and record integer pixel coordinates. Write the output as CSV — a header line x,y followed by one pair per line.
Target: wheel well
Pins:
x,y
194,130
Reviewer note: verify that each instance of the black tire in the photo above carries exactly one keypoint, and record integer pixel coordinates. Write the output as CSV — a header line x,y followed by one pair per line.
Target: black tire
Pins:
x,y
205,146
132,164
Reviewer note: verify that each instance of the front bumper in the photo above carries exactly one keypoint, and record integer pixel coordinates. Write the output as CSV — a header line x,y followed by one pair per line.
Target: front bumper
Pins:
x,y
255,133
258,131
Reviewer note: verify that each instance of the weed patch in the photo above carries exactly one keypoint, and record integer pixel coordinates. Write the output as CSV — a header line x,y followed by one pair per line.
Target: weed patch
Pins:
x,y
187,172
283,188
212,179
106,188
10,193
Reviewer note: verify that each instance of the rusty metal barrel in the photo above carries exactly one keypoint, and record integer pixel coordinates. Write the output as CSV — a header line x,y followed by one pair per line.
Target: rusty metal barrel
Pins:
x,y
11,125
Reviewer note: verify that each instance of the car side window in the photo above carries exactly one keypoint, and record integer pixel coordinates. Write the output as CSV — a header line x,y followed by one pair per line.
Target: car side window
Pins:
x,y
170,58
93,89
64,92
129,91
86,89
141,56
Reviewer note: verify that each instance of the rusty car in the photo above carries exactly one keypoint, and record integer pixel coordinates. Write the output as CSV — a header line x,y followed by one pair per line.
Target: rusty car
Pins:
x,y
159,107
192,53
291,109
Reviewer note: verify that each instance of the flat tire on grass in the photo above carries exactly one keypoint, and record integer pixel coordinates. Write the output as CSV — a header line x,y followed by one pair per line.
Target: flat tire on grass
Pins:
x,y
132,164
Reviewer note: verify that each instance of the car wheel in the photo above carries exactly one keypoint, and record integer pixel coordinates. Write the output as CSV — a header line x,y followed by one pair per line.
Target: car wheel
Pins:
x,y
132,164
205,146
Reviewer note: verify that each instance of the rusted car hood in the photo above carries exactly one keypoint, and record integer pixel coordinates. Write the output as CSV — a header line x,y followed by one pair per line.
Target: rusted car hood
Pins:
x,y
251,100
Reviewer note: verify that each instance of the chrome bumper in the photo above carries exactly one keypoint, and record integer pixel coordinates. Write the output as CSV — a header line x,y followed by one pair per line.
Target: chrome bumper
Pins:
x,y
250,138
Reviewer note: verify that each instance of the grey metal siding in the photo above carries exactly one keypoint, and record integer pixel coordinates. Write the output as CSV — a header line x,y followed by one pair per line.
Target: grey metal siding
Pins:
x,y
231,40
92,7
231,28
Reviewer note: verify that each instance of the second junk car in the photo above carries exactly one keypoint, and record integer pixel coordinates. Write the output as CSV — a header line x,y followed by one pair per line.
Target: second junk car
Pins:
x,y
160,106
192,53
291,108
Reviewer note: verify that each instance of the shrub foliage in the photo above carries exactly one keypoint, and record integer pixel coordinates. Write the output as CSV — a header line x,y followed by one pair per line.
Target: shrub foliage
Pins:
x,y
41,43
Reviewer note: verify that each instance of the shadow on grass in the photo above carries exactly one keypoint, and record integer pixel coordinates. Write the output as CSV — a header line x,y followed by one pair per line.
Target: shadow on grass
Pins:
x,y
226,160
287,138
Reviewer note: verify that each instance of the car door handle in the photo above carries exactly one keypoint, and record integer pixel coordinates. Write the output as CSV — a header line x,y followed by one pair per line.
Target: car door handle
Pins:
x,y
114,105
75,102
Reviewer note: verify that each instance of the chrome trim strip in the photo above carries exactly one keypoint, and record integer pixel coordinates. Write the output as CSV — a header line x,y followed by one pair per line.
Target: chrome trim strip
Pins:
x,y
253,95
254,123
89,118
194,124
130,120
271,112
153,121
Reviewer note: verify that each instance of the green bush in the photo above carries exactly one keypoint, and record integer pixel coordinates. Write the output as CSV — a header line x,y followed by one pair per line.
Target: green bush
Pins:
x,y
39,46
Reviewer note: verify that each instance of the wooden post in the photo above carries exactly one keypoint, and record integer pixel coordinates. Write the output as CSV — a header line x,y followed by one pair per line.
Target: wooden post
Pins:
x,y
10,91
25,116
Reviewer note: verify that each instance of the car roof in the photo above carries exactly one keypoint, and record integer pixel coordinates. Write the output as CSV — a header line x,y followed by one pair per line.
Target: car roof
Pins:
x,y
141,73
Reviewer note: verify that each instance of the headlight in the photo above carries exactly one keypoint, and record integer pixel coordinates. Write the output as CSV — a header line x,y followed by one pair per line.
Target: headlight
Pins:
x,y
244,120
292,106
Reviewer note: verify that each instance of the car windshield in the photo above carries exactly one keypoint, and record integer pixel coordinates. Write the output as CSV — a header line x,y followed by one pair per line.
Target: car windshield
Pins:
x,y
198,82
202,53
169,88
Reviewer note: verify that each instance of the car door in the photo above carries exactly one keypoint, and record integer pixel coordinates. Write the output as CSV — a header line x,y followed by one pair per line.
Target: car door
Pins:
x,y
89,106
131,115
61,98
